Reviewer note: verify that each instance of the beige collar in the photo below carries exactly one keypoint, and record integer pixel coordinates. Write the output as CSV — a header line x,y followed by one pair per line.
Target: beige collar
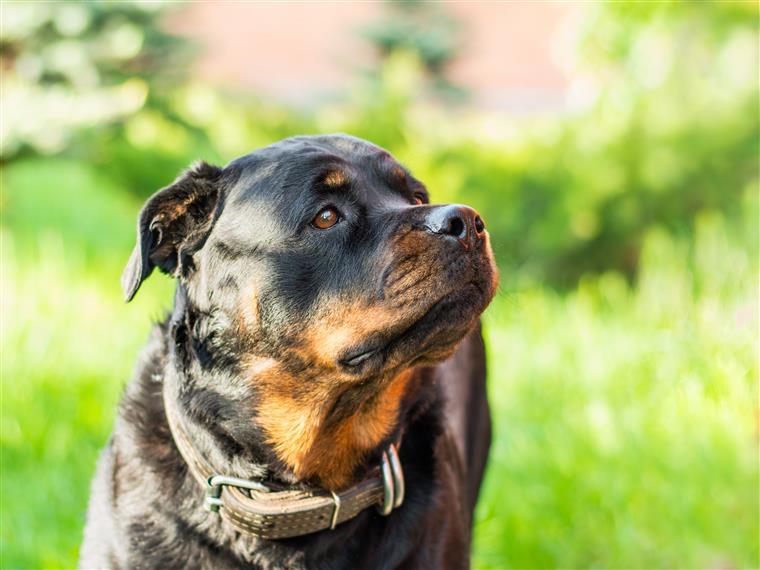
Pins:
x,y
254,509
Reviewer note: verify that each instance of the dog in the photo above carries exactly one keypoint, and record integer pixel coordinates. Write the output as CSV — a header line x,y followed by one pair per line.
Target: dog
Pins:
x,y
316,398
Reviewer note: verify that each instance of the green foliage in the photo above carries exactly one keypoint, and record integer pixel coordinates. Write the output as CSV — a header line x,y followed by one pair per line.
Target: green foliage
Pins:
x,y
422,28
67,65
65,362
65,237
625,417
39,198
580,197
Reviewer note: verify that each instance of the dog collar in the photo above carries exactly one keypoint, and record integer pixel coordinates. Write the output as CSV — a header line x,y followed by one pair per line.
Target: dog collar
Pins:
x,y
253,508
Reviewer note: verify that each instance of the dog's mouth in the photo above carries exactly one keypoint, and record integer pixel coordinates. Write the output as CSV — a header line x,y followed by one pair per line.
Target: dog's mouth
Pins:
x,y
444,322
352,360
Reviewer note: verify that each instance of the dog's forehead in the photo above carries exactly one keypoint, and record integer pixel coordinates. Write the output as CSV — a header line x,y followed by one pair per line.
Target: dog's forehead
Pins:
x,y
308,151
280,173
270,184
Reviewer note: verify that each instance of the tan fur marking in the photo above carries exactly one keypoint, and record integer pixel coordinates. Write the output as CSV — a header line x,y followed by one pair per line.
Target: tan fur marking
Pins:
x,y
291,427
295,419
335,178
398,172
343,326
329,456
334,456
176,210
249,303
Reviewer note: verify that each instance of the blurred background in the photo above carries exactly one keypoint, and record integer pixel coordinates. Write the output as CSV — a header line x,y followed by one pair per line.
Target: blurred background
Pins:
x,y
611,147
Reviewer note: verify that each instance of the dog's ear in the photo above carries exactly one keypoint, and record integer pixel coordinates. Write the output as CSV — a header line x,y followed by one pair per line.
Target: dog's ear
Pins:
x,y
172,225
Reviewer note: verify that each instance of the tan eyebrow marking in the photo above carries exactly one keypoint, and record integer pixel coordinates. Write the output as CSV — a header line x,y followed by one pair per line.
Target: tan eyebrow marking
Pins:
x,y
398,172
335,178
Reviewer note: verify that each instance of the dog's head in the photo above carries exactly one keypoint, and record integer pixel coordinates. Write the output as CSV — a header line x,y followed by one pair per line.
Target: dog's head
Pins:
x,y
332,277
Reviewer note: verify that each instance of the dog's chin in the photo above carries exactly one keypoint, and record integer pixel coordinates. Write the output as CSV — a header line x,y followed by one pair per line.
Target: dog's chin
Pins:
x,y
431,337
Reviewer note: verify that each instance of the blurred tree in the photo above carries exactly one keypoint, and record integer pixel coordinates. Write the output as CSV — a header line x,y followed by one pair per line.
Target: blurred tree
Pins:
x,y
69,65
669,128
426,30
674,128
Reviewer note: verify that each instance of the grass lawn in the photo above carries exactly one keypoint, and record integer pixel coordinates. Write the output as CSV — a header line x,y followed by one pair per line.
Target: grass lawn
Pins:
x,y
626,418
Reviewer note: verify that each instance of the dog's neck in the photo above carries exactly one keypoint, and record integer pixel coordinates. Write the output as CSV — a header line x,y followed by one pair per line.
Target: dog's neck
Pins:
x,y
144,439
220,431
217,404
211,398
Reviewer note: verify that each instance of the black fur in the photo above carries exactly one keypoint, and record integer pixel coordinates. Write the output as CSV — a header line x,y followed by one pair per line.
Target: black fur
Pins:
x,y
247,226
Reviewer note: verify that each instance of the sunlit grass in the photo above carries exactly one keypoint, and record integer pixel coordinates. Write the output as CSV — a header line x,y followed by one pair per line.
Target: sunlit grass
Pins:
x,y
626,420
68,345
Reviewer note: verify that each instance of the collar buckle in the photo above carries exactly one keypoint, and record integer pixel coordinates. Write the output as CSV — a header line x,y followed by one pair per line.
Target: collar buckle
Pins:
x,y
216,482
393,481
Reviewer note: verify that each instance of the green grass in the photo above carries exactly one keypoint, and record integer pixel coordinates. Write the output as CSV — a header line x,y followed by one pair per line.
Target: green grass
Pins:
x,y
626,430
69,344
626,420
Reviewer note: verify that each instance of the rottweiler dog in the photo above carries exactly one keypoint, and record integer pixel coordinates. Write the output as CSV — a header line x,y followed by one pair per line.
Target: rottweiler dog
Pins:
x,y
316,397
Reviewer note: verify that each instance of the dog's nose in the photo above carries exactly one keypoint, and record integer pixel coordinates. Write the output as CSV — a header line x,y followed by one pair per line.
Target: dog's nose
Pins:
x,y
458,221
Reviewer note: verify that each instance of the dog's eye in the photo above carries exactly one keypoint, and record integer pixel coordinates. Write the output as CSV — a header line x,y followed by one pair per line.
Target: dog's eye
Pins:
x,y
326,218
419,199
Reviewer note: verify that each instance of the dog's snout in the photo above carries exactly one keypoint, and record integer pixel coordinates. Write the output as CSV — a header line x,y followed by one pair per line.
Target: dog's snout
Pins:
x,y
456,220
